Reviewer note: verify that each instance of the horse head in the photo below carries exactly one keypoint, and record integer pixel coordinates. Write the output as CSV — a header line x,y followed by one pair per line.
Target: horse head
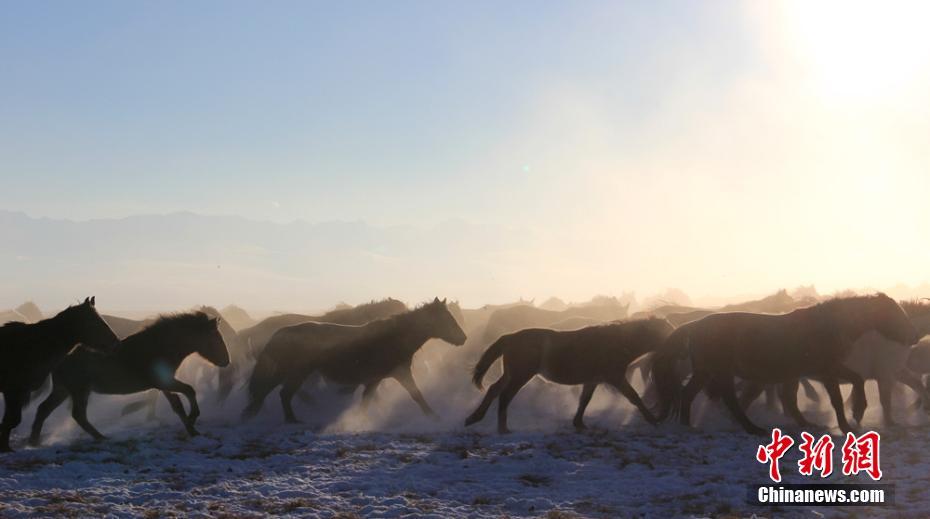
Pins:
x,y
211,345
88,328
443,324
887,317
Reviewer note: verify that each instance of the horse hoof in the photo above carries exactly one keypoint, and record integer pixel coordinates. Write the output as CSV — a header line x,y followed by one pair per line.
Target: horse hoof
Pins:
x,y
34,442
6,448
471,420
580,426
193,433
503,431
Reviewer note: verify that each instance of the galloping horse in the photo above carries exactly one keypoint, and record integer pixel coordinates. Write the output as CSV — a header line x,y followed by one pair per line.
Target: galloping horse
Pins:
x,y
774,349
29,352
255,338
144,360
350,355
590,356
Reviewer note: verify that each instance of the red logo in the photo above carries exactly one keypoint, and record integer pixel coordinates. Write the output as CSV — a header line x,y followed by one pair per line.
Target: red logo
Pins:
x,y
859,453
773,452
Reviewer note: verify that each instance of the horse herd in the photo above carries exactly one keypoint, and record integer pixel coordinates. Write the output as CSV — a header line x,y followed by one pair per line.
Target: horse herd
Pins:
x,y
775,345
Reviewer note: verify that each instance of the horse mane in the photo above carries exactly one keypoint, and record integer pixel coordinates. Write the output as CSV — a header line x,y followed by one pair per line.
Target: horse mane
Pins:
x,y
833,302
172,323
916,307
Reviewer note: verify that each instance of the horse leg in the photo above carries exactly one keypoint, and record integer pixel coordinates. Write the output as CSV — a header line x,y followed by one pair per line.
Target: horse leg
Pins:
x,y
908,379
290,387
176,386
12,416
514,384
368,395
586,393
728,391
405,377
885,385
836,400
627,390
692,388
178,409
225,381
54,399
79,413
860,403
789,401
751,391
493,392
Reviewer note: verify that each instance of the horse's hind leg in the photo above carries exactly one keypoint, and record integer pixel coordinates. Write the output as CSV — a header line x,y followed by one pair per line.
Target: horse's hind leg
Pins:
x,y
12,416
178,409
836,400
586,393
493,392
79,413
627,390
789,401
860,403
692,388
728,391
368,395
290,387
751,391
54,399
514,384
885,385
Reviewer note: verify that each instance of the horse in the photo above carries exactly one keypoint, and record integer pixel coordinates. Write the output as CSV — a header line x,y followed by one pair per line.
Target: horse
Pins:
x,y
773,349
224,382
255,338
589,356
145,360
874,357
515,318
350,355
29,352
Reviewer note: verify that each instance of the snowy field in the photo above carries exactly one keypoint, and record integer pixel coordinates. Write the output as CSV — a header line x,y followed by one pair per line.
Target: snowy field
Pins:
x,y
402,464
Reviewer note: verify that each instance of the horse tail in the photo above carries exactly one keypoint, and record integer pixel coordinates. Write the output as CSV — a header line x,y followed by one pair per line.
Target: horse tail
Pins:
x,y
665,375
490,355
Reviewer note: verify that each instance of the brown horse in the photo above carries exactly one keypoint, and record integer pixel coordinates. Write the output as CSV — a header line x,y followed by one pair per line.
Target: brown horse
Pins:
x,y
589,356
350,355
144,360
774,349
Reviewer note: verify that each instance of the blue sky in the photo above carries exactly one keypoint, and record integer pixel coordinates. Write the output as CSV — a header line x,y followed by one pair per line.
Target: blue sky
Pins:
x,y
322,111
719,146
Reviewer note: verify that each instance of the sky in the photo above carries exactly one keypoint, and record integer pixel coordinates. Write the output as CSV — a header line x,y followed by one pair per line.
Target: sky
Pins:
x,y
719,146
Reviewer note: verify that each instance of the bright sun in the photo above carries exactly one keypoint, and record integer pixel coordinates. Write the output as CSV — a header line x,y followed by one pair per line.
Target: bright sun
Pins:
x,y
859,50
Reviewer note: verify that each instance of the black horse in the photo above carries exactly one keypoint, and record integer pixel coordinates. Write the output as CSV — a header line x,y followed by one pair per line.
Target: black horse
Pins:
x,y
29,352
350,355
144,360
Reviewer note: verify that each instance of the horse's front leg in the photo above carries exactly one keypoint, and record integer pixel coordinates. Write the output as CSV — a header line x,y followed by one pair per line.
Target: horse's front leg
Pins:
x,y
12,416
178,409
907,378
860,403
836,399
405,377
176,386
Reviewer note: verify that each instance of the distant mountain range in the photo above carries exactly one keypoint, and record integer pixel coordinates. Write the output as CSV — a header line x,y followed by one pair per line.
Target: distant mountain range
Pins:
x,y
150,262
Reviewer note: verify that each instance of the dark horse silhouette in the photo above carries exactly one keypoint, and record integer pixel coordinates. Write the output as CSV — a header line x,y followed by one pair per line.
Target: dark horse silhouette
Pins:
x,y
590,356
350,355
773,349
29,352
224,383
256,337
144,360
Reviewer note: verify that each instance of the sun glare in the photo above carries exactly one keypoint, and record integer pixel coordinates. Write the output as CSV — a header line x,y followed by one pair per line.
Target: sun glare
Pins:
x,y
860,50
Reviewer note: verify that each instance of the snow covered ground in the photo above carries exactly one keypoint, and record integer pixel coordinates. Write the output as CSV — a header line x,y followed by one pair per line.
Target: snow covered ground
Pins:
x,y
401,463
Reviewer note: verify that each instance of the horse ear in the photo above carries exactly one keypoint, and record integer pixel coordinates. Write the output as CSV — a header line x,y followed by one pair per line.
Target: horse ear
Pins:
x,y
444,300
93,300
436,300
